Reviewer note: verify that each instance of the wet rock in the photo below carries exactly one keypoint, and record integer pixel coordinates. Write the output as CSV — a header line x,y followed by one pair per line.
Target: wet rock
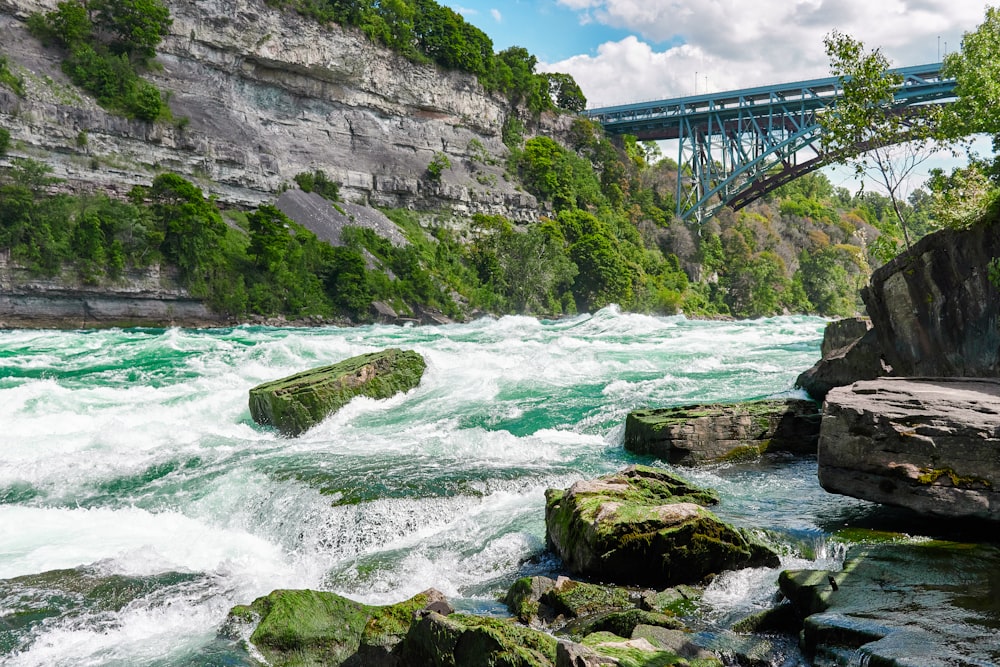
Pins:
x,y
930,445
723,432
458,639
932,603
571,654
298,402
856,359
645,526
524,598
675,641
621,623
638,651
317,628
934,309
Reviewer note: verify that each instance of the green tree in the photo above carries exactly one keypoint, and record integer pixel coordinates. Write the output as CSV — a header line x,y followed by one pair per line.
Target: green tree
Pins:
x,y
977,80
192,227
865,124
137,26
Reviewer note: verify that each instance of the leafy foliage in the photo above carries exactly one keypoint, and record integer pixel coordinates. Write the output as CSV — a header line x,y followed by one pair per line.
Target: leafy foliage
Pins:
x,y
319,183
9,79
106,43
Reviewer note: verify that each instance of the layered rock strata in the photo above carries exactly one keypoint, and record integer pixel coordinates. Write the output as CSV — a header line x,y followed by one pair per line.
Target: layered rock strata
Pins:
x,y
260,94
696,434
932,445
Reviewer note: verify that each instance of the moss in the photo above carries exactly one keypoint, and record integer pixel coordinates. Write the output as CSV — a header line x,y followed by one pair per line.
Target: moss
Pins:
x,y
387,625
577,598
932,475
613,646
294,404
868,536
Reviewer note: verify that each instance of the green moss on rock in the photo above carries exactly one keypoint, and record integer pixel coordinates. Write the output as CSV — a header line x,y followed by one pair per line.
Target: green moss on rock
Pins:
x,y
645,526
471,641
298,402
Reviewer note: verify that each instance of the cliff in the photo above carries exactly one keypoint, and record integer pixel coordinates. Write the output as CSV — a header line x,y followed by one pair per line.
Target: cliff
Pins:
x,y
259,95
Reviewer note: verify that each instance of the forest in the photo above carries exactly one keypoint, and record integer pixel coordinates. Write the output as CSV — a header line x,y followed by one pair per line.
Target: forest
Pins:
x,y
609,235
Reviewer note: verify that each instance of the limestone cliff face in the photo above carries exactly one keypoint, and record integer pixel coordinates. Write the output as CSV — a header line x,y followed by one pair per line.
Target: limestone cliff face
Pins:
x,y
267,94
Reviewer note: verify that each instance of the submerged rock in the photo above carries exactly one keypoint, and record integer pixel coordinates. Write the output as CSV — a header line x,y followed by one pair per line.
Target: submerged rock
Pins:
x,y
645,526
298,402
933,603
930,445
723,432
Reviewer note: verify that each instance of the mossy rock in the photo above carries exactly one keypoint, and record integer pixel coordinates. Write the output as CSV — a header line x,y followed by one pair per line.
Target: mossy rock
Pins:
x,y
696,434
305,628
524,597
640,652
458,640
576,598
298,402
622,622
647,527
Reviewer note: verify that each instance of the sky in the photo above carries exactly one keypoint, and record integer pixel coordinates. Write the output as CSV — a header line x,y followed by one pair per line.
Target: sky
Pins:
x,y
623,51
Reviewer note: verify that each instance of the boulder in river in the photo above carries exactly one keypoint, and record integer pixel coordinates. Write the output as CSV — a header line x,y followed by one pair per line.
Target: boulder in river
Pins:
x,y
929,603
645,526
932,445
306,628
298,402
696,434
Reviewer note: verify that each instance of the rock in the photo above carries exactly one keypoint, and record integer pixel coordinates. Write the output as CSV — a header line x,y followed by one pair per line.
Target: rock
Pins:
x,y
931,603
934,309
571,654
620,623
858,359
327,219
577,599
645,526
459,640
317,628
932,445
843,332
675,641
524,598
678,600
636,651
723,432
298,402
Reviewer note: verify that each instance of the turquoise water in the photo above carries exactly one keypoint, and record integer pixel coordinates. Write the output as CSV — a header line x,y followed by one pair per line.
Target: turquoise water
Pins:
x,y
130,456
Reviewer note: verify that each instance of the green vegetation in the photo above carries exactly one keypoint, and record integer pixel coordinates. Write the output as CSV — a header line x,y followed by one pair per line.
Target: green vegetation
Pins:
x,y
107,44
427,32
319,183
9,79
437,165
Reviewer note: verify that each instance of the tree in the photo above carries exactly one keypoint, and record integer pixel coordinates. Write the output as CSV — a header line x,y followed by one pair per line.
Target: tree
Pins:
x,y
137,25
191,225
865,124
977,80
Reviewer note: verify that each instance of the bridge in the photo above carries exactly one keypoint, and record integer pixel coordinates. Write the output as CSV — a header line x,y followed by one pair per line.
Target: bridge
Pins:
x,y
736,146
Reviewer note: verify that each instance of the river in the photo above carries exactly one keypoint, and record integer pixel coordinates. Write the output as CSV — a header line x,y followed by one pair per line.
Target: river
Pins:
x,y
129,456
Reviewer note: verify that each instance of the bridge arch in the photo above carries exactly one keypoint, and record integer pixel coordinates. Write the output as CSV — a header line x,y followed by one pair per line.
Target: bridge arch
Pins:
x,y
736,146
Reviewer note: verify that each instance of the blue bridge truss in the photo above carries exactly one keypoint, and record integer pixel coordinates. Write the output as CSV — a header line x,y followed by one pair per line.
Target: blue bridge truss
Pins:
x,y
736,146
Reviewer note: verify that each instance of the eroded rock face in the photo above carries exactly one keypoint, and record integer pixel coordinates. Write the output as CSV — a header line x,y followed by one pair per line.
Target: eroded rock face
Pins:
x,y
932,445
695,434
298,402
267,94
851,352
645,526
932,603
934,309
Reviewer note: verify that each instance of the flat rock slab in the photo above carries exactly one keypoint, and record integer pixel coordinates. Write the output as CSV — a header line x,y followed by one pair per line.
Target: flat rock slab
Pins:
x,y
923,604
298,402
696,434
932,445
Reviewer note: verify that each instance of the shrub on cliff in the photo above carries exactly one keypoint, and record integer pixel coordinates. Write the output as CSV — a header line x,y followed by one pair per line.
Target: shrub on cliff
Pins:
x,y
106,43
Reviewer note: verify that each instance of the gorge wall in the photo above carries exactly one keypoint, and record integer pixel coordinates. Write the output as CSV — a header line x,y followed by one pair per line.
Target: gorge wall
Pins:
x,y
260,94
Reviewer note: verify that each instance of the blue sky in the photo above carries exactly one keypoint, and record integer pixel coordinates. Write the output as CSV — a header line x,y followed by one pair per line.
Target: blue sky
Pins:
x,y
628,50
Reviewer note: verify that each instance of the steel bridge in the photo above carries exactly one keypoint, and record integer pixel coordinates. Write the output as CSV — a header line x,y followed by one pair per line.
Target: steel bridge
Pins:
x,y
736,146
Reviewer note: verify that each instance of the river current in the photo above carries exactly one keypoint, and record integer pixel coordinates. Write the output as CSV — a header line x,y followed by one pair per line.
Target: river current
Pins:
x,y
131,455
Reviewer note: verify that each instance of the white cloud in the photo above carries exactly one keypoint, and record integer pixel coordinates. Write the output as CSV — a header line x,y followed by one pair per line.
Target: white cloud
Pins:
x,y
497,16
739,44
